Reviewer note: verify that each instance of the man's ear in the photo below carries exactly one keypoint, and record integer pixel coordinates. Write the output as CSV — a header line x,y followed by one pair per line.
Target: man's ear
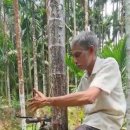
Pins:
x,y
91,49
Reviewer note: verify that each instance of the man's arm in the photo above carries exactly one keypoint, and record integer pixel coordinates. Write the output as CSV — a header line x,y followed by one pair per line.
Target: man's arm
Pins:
x,y
75,99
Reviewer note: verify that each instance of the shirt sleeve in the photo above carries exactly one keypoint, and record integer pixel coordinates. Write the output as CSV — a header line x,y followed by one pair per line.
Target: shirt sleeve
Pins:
x,y
108,76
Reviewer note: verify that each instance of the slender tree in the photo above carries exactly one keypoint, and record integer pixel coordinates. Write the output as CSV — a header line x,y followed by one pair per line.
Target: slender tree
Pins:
x,y
56,37
19,61
34,42
34,47
74,12
127,26
122,18
43,3
74,33
86,13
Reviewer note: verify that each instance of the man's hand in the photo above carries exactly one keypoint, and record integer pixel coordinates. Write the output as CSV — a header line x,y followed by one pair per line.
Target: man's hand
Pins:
x,y
37,101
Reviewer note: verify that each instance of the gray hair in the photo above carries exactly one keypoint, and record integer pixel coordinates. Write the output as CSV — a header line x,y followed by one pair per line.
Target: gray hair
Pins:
x,y
86,39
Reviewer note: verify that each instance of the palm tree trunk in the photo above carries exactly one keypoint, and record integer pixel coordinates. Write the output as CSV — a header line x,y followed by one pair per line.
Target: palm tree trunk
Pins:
x,y
43,58
1,10
43,70
56,35
34,49
34,54
74,11
19,61
8,84
127,26
74,34
86,13
122,17
29,66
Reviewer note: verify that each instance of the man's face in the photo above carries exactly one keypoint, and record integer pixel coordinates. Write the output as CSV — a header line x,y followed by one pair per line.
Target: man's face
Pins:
x,y
82,57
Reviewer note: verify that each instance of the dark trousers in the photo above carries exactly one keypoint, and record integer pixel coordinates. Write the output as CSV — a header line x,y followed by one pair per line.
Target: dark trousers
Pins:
x,y
86,127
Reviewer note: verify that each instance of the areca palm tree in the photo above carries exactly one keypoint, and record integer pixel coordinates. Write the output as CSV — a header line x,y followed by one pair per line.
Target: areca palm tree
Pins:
x,y
56,35
19,61
127,27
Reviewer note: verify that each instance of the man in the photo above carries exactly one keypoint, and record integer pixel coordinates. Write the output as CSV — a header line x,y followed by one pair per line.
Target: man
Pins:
x,y
100,89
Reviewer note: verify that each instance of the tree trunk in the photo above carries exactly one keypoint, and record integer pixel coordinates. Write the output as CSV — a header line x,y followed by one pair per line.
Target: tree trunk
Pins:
x,y
43,71
34,54
56,35
74,11
86,13
122,17
19,61
34,49
47,81
43,58
8,84
74,34
29,66
1,10
127,23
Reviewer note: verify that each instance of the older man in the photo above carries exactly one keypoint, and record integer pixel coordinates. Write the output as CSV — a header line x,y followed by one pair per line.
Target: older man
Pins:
x,y
100,89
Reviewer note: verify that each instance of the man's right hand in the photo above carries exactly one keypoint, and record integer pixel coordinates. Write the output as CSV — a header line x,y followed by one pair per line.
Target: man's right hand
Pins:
x,y
38,101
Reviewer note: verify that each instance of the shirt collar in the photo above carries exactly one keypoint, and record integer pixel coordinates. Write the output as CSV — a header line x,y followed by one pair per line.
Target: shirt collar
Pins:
x,y
96,67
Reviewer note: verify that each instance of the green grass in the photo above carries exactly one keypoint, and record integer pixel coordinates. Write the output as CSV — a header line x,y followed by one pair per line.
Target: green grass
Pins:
x,y
29,127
